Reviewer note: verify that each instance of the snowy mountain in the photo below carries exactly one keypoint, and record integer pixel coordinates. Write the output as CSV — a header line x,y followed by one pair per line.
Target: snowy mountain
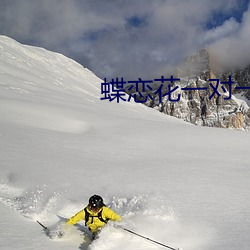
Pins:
x,y
201,102
182,185
211,108
241,77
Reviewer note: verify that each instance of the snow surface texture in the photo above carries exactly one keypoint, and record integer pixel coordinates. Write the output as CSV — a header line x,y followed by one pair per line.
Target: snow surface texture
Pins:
x,y
179,184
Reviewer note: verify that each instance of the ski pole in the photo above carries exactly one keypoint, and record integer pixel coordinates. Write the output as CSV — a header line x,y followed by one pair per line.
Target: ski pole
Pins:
x,y
146,238
45,228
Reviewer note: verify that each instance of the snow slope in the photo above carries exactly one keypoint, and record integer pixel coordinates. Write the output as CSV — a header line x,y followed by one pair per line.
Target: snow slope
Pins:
x,y
176,183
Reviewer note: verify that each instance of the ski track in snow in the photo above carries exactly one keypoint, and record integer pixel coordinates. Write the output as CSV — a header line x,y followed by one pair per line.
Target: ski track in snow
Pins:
x,y
43,117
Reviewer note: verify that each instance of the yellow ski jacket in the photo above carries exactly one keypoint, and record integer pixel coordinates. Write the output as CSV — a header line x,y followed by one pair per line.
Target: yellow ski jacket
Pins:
x,y
94,223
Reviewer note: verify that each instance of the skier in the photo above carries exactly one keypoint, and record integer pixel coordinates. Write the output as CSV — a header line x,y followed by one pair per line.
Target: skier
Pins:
x,y
95,214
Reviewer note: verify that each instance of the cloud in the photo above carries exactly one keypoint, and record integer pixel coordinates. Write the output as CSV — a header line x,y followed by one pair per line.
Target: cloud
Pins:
x,y
233,49
117,38
226,29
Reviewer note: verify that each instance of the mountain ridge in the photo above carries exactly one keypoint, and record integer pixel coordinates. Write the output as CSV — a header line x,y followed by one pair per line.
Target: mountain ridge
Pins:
x,y
206,103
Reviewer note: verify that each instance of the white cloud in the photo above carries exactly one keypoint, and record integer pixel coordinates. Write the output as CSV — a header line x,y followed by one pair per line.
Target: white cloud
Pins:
x,y
98,34
228,28
233,50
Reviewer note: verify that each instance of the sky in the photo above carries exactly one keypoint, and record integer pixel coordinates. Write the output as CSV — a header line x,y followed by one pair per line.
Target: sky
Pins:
x,y
131,38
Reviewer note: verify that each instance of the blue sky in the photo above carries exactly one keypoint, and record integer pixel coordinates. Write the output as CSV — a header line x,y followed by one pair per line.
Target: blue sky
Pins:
x,y
131,38
218,17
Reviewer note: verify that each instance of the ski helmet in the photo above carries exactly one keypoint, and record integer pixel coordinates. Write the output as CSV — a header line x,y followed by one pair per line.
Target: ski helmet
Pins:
x,y
95,202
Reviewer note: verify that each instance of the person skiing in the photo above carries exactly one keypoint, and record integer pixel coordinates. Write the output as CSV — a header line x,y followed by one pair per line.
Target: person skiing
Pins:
x,y
95,214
